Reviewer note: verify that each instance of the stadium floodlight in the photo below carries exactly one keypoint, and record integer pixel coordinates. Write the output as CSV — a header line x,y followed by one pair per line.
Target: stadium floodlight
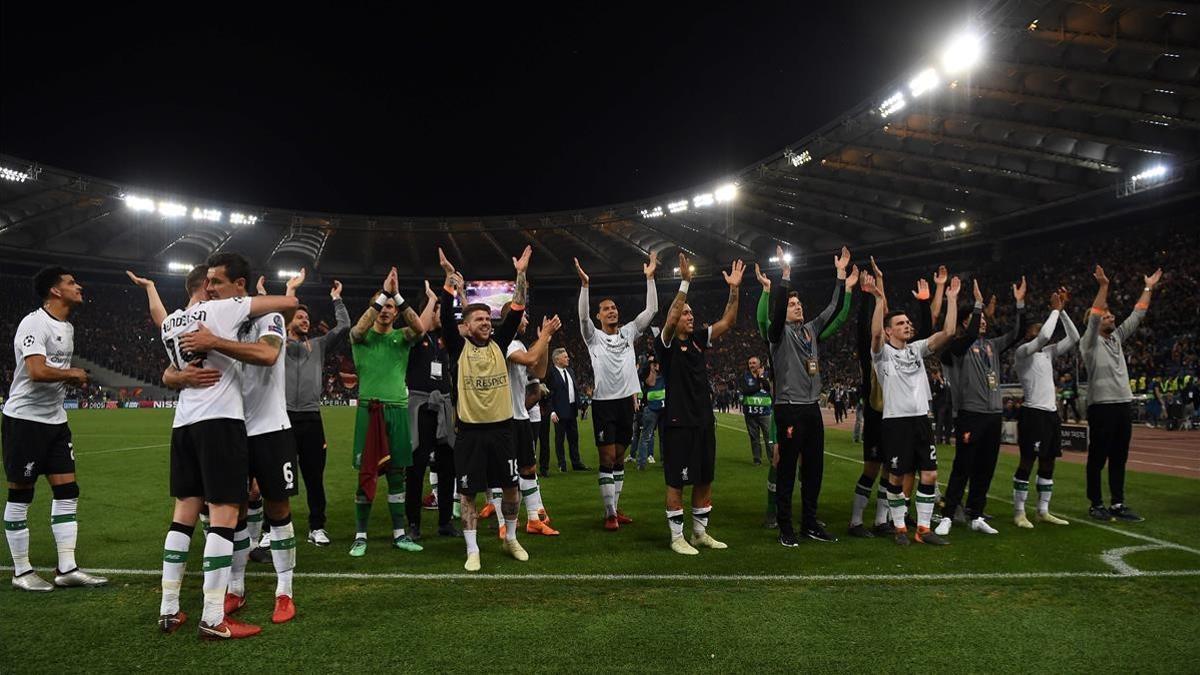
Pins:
x,y
655,212
948,228
1154,172
287,274
236,218
726,193
179,266
787,259
171,209
140,203
924,81
705,199
676,207
213,215
962,225
892,104
962,53
691,268
13,175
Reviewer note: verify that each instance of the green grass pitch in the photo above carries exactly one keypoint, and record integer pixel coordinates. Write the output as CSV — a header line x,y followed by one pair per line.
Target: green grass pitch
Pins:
x,y
1043,599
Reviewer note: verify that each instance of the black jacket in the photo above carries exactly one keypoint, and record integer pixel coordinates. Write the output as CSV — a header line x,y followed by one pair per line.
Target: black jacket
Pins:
x,y
559,398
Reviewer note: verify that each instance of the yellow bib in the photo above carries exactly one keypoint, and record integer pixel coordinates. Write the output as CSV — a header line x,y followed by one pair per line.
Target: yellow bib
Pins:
x,y
483,393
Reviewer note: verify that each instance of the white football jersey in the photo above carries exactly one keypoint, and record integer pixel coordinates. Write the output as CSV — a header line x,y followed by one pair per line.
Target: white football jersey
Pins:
x,y
263,392
901,375
40,333
518,380
224,399
614,363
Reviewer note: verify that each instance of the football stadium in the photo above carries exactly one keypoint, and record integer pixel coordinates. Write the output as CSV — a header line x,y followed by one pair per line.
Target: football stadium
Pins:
x,y
926,374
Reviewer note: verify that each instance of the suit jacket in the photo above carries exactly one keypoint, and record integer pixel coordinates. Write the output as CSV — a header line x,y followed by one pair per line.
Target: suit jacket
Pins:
x,y
559,398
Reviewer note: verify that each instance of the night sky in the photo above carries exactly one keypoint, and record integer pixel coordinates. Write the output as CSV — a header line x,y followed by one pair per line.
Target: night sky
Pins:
x,y
395,111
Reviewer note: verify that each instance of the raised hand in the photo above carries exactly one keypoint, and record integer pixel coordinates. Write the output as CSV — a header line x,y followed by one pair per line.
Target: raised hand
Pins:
x,y
685,267
261,286
294,282
978,293
1064,294
1153,279
446,265
941,275
852,278
522,264
1019,290
140,282
647,269
429,292
336,291
550,325
1056,301
867,282
455,281
734,276
391,284
878,274
583,277
990,310
922,292
1101,278
842,260
762,278
955,287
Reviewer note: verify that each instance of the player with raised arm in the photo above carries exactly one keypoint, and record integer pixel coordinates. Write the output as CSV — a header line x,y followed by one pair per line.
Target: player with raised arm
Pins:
x,y
689,442
270,444
381,358
973,360
209,456
795,356
36,438
1038,423
521,363
906,438
614,364
484,453
1109,397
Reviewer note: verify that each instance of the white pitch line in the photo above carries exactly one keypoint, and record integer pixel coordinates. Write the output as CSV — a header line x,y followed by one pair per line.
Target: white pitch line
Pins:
x,y
137,447
459,576
1076,518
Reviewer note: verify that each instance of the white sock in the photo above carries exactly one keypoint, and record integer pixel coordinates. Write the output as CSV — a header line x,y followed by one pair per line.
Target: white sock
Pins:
x,y
175,554
1020,494
896,507
618,483
283,555
925,501
254,521
16,530
497,500
862,495
700,519
397,532
607,492
241,555
218,555
66,531
510,533
433,481
881,505
1045,488
531,495
360,535
675,522
472,544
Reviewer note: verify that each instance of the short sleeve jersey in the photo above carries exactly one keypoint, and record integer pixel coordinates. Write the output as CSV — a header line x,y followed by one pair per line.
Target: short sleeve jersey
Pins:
x,y
614,363
688,398
381,360
224,399
263,392
901,374
518,380
39,333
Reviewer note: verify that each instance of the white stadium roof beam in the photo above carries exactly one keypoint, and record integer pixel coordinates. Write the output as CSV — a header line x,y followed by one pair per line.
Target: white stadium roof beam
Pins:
x,y
1001,148
541,247
1027,126
1058,72
1054,103
972,192
829,224
876,190
906,152
806,196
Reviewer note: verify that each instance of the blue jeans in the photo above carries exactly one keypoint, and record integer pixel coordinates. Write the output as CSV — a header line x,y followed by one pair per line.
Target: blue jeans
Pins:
x,y
645,442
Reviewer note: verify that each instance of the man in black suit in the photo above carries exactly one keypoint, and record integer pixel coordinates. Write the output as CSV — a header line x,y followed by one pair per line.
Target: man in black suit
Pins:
x,y
564,406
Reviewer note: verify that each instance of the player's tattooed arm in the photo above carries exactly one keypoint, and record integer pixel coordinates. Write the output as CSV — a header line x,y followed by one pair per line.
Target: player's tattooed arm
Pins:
x,y
363,325
522,266
676,309
734,278
263,352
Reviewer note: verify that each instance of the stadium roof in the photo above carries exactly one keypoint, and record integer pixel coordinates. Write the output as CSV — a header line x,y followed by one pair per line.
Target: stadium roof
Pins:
x,y
1067,109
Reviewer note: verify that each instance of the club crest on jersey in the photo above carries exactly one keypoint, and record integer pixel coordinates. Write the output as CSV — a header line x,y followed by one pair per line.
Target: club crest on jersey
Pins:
x,y
683,474
895,462
29,470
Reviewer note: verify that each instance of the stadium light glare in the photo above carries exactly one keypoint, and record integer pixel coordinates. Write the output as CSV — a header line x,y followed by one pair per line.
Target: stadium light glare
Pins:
x,y
13,175
962,53
787,258
212,215
962,225
655,212
892,105
726,193
676,207
174,266
705,199
925,81
236,218
140,203
171,209
287,274
1156,171
948,228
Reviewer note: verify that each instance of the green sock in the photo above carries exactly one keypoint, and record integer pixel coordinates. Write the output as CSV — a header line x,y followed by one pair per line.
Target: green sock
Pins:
x,y
362,511
396,494
771,491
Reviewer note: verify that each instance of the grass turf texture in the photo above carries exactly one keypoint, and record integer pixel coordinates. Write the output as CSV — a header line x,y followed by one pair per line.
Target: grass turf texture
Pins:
x,y
992,623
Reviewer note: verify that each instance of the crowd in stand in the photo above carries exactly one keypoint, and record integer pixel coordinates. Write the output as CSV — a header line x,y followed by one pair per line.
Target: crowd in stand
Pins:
x,y
114,330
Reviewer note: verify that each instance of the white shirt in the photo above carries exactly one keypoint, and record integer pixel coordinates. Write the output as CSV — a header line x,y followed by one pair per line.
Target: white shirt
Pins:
x,y
518,380
535,413
40,333
1035,362
223,400
901,375
263,393
570,385
614,361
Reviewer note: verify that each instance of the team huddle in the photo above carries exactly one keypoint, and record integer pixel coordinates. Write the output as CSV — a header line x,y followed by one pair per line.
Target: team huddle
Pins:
x,y
445,386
